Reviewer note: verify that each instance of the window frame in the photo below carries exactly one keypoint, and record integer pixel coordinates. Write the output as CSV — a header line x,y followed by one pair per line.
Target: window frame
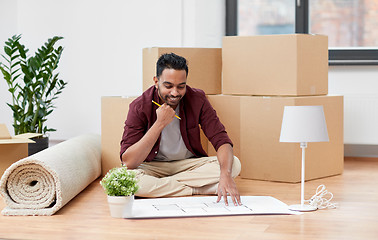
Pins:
x,y
336,56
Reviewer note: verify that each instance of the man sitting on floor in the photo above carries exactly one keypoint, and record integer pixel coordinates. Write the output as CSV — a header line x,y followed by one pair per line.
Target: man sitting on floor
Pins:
x,y
163,143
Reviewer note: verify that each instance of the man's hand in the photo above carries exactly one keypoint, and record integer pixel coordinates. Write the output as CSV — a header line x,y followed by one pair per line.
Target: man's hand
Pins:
x,y
227,186
226,182
165,114
138,152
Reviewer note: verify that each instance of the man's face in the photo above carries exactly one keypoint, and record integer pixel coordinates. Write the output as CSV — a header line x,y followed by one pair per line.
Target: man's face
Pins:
x,y
171,86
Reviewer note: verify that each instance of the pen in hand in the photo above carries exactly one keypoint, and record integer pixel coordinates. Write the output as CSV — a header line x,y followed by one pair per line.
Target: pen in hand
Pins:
x,y
160,105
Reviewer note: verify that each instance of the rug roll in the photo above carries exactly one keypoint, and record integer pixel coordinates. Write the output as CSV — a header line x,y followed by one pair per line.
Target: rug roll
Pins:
x,y
43,183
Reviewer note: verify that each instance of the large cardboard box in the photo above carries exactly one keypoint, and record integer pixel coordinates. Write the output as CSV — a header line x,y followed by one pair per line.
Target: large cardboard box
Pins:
x,y
205,67
13,148
264,157
285,65
113,116
228,111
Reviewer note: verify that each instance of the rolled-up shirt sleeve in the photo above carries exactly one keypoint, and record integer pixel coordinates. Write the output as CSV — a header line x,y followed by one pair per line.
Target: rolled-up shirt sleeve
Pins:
x,y
212,127
134,129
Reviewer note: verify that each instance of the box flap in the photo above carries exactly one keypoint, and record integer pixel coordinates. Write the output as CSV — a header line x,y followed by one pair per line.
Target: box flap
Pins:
x,y
4,133
28,135
5,137
16,141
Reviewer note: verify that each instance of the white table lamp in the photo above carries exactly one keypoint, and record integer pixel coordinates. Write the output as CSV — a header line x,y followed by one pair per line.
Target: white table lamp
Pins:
x,y
303,124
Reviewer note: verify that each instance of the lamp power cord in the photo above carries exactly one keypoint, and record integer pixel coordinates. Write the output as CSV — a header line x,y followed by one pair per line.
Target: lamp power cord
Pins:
x,y
322,198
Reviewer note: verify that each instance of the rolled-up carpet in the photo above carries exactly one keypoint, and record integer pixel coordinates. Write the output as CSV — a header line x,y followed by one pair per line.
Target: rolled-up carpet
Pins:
x,y
43,183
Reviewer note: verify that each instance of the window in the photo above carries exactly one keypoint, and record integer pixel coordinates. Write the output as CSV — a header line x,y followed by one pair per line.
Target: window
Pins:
x,y
261,17
349,24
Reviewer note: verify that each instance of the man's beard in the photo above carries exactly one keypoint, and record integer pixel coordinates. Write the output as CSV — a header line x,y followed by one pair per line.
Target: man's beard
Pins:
x,y
166,99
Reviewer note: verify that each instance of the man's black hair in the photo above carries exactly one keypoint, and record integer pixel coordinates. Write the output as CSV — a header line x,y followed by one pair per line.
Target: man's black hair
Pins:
x,y
171,61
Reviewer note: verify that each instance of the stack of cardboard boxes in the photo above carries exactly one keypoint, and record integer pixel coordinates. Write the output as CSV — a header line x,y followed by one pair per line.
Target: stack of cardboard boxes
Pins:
x,y
249,81
261,75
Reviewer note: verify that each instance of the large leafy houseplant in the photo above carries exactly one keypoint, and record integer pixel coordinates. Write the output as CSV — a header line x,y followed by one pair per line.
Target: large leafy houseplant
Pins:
x,y
32,82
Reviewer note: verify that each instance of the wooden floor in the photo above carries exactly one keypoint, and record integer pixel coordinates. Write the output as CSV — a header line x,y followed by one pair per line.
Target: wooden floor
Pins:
x,y
87,215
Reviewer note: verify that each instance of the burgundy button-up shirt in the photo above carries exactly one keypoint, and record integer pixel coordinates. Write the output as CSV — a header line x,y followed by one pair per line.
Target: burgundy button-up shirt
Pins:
x,y
195,111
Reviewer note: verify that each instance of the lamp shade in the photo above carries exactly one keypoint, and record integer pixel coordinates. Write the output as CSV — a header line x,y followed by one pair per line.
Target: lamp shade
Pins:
x,y
304,124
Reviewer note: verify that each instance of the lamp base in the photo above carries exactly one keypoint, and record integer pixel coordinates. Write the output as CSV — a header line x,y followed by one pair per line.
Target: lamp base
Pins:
x,y
302,208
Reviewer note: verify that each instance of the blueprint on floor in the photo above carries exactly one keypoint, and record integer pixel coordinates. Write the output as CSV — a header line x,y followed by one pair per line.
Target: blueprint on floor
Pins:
x,y
206,206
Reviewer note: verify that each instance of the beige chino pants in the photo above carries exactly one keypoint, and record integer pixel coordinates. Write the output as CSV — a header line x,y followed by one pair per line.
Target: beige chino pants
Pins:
x,y
178,178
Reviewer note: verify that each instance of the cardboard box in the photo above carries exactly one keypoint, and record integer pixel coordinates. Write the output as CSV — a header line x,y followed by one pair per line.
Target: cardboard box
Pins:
x,y
205,67
14,148
264,157
113,116
285,65
204,142
228,111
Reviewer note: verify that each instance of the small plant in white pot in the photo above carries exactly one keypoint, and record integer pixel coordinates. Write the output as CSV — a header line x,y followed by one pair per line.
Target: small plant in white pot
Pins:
x,y
120,185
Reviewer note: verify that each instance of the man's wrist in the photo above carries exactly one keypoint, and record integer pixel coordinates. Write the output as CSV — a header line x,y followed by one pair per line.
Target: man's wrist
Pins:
x,y
226,173
159,126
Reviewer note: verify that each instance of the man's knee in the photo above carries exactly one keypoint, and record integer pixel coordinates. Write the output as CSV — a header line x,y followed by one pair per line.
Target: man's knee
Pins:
x,y
236,167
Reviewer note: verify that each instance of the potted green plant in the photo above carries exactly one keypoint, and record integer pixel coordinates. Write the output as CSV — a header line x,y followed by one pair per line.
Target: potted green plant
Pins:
x,y
33,84
120,185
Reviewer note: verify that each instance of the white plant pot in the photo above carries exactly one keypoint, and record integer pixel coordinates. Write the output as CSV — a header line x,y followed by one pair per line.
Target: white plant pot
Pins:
x,y
121,206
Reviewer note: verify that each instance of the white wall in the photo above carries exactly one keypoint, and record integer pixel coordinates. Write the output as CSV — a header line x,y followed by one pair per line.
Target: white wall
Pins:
x,y
103,43
359,85
8,24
